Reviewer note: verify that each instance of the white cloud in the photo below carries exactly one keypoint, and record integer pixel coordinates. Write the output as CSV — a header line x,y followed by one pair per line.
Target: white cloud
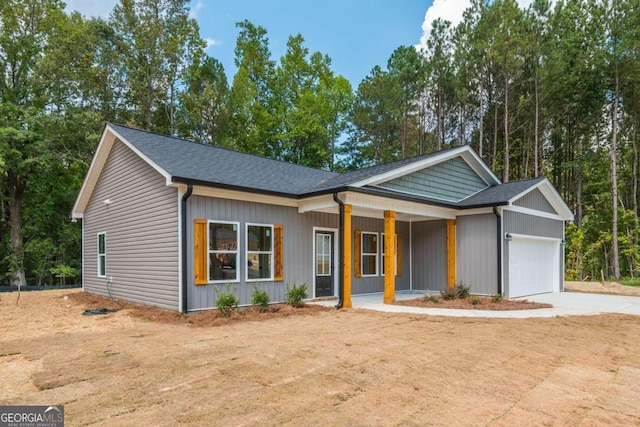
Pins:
x,y
211,42
91,8
451,10
195,9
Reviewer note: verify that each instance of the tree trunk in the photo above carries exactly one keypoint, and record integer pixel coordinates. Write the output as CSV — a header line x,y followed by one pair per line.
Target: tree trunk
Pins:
x,y
16,186
505,173
614,181
536,132
480,117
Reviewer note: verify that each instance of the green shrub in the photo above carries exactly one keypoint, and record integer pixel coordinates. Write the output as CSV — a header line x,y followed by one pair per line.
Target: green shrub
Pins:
x,y
462,291
296,295
227,301
474,300
432,298
449,294
497,298
260,297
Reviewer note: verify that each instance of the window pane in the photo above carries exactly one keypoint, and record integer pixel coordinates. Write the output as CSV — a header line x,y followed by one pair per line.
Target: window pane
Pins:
x,y
102,266
222,266
259,266
368,264
223,237
259,238
369,244
101,244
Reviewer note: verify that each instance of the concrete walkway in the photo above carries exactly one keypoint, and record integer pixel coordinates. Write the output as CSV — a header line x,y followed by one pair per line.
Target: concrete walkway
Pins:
x,y
564,304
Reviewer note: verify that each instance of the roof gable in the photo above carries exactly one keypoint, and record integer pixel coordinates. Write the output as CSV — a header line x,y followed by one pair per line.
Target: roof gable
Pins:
x,y
451,180
535,200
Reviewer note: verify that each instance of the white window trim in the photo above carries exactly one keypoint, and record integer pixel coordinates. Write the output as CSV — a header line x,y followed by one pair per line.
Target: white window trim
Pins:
x,y
330,255
247,251
209,251
362,253
382,255
104,273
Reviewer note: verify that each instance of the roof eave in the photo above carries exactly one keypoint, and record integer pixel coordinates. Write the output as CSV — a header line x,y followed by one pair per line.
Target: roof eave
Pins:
x,y
183,180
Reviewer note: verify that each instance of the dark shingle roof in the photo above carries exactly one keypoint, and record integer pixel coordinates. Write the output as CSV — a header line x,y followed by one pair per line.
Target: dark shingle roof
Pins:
x,y
498,194
200,163
186,160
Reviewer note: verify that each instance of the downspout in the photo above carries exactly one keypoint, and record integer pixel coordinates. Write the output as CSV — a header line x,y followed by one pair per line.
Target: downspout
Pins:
x,y
183,231
341,251
499,244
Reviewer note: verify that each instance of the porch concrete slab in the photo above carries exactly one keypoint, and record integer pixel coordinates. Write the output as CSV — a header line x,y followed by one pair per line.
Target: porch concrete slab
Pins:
x,y
564,304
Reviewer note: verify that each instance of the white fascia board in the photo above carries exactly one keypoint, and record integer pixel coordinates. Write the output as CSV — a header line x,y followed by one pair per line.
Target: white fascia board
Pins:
x,y
552,196
97,163
151,163
475,211
109,136
243,196
464,151
533,212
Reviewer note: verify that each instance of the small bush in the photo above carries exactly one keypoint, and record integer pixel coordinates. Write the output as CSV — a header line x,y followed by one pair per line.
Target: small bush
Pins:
x,y
227,301
462,291
432,298
474,300
497,298
260,297
296,295
449,294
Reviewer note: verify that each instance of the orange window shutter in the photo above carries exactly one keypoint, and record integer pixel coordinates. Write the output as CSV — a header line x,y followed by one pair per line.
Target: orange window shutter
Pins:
x,y
200,251
399,254
357,246
278,253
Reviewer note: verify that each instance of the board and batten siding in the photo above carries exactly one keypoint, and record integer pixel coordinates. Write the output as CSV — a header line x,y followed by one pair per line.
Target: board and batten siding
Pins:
x,y
429,251
477,253
375,284
452,180
141,226
535,200
530,225
297,246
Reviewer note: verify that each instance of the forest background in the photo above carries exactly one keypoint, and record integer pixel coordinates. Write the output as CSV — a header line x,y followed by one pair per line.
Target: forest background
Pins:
x,y
539,91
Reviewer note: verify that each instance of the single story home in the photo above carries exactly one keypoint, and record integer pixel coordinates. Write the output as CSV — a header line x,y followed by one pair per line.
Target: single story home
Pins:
x,y
167,221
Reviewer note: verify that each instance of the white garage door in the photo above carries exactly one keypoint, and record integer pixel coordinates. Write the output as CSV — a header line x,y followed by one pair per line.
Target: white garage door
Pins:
x,y
534,266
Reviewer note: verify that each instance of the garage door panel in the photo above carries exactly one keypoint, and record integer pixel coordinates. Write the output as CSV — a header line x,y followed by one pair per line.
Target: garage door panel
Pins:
x,y
533,266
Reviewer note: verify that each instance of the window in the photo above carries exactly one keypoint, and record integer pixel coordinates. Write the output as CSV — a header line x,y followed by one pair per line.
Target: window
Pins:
x,y
369,258
102,254
259,252
396,253
223,251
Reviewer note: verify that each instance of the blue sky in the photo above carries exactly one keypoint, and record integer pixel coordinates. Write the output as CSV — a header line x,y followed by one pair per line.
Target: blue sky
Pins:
x,y
356,34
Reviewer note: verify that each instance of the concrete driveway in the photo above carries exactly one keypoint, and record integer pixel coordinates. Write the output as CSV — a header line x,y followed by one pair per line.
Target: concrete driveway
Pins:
x,y
564,304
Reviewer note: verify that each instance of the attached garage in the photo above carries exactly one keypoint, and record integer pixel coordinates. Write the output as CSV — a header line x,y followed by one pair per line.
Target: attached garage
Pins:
x,y
534,265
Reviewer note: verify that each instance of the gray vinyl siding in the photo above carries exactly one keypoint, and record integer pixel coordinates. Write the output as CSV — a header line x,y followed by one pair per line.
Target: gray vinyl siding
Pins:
x,y
452,180
375,284
535,200
516,222
429,248
519,223
477,253
141,226
298,246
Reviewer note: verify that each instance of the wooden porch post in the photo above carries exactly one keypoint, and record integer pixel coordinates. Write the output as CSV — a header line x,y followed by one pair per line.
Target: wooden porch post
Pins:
x,y
451,253
389,257
346,257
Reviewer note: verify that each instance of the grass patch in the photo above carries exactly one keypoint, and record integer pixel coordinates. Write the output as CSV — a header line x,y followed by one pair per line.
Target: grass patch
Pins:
x,y
630,281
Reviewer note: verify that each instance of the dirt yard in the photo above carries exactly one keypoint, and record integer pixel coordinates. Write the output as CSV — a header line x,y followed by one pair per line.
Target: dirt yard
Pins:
x,y
349,367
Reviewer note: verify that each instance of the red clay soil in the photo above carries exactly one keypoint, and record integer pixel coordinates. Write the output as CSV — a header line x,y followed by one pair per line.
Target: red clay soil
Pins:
x,y
333,367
